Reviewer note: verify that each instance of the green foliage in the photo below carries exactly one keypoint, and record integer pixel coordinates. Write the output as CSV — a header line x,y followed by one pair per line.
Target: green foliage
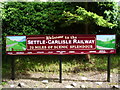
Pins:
x,y
110,11
24,19
3,83
32,18
83,16
118,20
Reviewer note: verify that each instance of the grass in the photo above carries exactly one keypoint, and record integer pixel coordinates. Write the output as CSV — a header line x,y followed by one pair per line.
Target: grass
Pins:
x,y
3,83
70,63
8,41
16,48
107,44
23,44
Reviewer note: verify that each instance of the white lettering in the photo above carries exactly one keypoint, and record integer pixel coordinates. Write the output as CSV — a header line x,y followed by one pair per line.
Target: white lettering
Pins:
x,y
36,42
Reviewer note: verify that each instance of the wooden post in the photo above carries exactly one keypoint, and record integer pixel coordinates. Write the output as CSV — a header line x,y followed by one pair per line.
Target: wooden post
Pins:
x,y
60,69
13,67
108,68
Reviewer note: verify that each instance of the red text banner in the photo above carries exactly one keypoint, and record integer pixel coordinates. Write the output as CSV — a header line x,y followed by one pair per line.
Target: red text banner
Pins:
x,y
60,44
